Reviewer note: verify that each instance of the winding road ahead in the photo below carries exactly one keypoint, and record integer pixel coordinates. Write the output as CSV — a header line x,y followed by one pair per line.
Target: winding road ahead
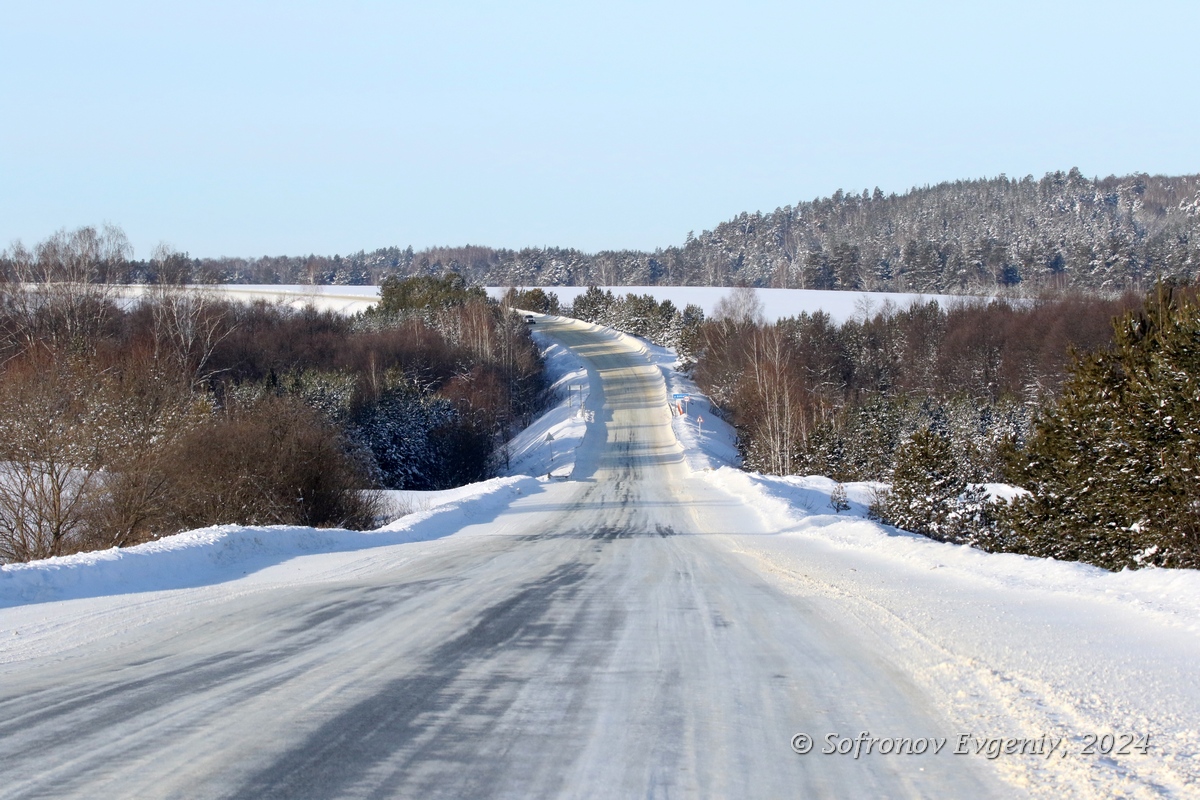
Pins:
x,y
597,638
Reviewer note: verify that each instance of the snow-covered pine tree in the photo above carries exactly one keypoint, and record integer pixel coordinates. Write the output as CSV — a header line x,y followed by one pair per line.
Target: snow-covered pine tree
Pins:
x,y
925,485
1114,466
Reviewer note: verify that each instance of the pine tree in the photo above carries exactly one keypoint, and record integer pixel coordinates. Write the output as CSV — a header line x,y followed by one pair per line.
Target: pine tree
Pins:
x,y
926,486
1114,466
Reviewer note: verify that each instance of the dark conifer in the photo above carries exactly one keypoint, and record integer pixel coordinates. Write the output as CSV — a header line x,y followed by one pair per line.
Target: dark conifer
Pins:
x,y
1114,466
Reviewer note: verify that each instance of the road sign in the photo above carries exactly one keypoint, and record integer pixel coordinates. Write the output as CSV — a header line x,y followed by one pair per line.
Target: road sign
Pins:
x,y
678,396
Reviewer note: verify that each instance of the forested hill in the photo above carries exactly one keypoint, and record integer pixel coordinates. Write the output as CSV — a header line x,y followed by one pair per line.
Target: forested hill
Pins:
x,y
1063,230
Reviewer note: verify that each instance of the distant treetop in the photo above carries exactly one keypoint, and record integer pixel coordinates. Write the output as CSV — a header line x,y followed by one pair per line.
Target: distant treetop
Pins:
x,y
424,292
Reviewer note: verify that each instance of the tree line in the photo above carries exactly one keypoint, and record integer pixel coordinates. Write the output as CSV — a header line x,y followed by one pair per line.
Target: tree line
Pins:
x,y
122,420
1024,235
1087,403
644,316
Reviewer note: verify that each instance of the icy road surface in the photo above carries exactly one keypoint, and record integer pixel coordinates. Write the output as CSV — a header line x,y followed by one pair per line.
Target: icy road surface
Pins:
x,y
603,636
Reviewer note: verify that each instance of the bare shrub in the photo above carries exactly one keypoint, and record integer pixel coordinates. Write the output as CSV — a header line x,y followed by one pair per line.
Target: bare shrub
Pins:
x,y
838,500
82,448
273,462
147,407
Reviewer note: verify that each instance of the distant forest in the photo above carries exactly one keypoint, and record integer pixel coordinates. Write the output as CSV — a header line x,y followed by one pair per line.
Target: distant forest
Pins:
x,y
1001,234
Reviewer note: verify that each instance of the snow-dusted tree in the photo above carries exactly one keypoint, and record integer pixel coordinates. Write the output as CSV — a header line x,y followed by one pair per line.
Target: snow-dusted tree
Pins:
x,y
535,299
742,306
930,493
59,293
397,427
189,321
49,469
926,485
592,305
686,333
1114,465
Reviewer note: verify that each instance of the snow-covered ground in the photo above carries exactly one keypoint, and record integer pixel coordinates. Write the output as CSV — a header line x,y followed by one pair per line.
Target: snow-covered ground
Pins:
x,y
226,552
342,299
547,447
1008,645
777,303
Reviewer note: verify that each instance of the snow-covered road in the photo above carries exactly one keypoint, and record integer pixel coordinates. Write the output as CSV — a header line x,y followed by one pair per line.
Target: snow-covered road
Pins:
x,y
635,631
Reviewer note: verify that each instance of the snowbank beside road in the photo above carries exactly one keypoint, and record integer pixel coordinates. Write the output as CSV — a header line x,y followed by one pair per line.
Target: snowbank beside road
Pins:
x,y
224,552
547,447
708,441
799,508
1007,645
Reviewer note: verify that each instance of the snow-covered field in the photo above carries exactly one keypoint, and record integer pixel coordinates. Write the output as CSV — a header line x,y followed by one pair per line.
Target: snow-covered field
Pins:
x,y
777,303
1005,645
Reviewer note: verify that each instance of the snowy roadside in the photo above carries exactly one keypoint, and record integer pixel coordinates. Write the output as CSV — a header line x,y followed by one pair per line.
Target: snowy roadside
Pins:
x,y
224,552
799,507
1006,645
227,552
547,447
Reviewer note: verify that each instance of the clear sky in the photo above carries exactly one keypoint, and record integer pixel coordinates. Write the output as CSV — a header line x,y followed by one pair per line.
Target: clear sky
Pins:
x,y
244,128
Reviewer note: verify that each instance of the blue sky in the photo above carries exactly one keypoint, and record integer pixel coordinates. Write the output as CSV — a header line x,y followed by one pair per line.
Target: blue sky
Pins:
x,y
269,128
